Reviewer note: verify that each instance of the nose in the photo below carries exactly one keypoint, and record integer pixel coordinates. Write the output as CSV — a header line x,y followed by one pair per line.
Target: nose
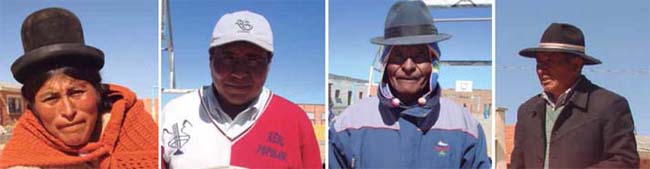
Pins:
x,y
238,71
541,68
69,111
408,66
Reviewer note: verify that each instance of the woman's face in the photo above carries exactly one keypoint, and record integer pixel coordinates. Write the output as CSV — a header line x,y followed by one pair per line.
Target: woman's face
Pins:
x,y
68,108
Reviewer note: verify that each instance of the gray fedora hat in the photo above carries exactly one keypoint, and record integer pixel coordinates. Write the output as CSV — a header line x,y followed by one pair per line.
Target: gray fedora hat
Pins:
x,y
409,23
564,38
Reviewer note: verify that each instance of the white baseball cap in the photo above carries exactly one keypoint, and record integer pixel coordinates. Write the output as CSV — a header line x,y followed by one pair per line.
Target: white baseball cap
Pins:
x,y
243,26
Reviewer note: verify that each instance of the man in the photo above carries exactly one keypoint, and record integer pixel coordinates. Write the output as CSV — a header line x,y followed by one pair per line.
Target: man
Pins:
x,y
572,123
408,125
236,122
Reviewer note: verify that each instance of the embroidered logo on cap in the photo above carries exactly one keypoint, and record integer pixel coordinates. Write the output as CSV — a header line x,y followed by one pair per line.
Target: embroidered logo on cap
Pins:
x,y
244,25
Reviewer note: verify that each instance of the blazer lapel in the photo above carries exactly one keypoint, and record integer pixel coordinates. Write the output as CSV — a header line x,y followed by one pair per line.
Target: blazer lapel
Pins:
x,y
575,114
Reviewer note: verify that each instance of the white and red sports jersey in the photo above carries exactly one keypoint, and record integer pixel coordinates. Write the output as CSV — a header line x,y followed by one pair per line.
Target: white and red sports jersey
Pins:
x,y
274,133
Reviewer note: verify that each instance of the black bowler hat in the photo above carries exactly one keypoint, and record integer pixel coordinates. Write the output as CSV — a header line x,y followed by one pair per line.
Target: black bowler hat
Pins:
x,y
53,37
561,37
409,23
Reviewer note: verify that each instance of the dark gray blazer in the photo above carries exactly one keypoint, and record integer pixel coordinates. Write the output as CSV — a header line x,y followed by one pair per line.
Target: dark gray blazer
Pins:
x,y
595,129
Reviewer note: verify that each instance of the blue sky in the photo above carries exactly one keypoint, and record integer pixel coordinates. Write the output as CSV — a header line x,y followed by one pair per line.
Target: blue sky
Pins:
x,y
298,67
126,31
353,23
617,34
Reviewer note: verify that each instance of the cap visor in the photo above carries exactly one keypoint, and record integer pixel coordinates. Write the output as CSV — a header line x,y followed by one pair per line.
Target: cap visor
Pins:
x,y
251,39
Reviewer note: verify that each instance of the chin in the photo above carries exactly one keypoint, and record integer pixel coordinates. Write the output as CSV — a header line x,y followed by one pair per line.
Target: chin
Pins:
x,y
75,141
238,99
407,91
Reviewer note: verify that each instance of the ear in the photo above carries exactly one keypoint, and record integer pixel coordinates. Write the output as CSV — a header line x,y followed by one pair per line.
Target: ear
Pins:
x,y
577,62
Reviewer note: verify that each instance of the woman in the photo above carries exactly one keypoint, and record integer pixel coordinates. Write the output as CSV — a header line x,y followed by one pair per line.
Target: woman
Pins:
x,y
72,119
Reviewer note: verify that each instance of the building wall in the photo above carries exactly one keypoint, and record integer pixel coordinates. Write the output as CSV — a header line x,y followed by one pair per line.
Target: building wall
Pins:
x,y
6,117
344,93
316,113
151,106
477,102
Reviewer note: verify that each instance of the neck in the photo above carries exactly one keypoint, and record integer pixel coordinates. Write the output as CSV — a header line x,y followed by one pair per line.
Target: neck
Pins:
x,y
409,99
554,95
231,109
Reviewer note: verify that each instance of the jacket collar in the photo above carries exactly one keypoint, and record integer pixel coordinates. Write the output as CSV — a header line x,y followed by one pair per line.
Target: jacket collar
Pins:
x,y
581,93
579,98
422,116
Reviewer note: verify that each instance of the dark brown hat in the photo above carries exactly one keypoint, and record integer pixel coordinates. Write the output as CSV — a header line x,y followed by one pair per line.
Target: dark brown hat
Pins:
x,y
561,37
53,37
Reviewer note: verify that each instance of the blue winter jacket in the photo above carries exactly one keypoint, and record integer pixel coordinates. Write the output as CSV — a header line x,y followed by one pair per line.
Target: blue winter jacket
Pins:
x,y
371,134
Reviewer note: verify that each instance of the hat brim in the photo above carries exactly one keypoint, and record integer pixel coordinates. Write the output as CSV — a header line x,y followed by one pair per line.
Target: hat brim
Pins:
x,y
532,53
63,54
410,40
242,38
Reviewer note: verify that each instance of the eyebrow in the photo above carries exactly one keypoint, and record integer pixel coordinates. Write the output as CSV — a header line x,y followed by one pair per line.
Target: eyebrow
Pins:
x,y
46,94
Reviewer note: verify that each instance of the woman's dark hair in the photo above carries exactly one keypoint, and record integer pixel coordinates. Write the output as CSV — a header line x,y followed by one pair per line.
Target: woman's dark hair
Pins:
x,y
36,81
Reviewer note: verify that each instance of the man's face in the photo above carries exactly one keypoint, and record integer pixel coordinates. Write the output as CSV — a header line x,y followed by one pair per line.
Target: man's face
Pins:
x,y
557,71
239,71
408,70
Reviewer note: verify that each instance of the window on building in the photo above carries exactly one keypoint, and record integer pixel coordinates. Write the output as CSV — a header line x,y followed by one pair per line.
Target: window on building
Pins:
x,y
14,104
349,97
337,95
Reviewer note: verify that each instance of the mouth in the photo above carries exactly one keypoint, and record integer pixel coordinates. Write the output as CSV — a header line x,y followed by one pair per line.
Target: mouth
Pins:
x,y
72,126
546,80
238,85
408,79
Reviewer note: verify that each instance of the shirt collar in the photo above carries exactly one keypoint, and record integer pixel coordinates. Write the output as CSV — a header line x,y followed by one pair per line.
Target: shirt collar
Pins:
x,y
563,98
249,114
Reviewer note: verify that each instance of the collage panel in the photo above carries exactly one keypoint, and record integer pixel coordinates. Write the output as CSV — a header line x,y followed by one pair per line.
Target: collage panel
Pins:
x,y
243,84
410,84
73,90
324,84
570,82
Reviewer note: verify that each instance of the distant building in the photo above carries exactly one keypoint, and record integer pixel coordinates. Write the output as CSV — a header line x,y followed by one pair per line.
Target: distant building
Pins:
x,y
345,91
11,103
316,114
643,147
501,139
151,106
478,101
